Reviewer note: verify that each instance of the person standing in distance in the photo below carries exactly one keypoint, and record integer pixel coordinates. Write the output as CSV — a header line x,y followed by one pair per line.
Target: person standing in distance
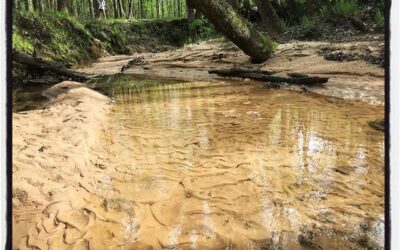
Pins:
x,y
102,8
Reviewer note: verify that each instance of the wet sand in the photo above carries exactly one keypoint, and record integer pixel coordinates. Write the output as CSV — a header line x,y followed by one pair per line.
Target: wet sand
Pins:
x,y
351,80
204,165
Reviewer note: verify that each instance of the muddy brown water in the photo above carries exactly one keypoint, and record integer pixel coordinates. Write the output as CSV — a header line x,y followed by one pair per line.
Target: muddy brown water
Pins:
x,y
224,165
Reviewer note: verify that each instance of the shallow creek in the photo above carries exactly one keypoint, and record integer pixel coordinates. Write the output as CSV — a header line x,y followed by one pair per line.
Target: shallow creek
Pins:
x,y
236,166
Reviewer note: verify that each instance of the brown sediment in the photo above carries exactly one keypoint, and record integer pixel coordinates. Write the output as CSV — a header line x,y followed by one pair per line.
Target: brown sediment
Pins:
x,y
202,165
352,80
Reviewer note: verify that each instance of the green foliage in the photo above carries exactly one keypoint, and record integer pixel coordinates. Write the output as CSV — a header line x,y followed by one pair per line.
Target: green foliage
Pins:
x,y
324,10
122,36
379,18
345,8
55,36
202,29
58,36
292,11
111,33
286,2
21,44
308,21
142,9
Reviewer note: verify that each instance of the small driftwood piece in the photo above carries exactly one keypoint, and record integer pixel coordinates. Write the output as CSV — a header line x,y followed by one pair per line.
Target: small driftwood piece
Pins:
x,y
268,76
237,71
43,65
132,62
43,81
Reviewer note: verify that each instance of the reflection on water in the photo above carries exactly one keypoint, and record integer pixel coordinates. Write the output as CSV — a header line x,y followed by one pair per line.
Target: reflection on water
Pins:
x,y
237,166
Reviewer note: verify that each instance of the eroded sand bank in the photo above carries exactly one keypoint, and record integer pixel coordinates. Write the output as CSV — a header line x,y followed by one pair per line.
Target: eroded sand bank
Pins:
x,y
53,160
352,80
225,166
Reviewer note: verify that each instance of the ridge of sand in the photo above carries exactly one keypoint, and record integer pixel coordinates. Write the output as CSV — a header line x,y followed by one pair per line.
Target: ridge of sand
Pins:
x,y
56,143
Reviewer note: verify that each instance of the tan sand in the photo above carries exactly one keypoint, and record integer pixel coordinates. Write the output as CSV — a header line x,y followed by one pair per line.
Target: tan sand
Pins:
x,y
354,80
83,181
52,158
226,168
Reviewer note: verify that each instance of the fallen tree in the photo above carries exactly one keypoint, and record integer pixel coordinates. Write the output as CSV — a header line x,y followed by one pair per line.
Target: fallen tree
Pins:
x,y
269,76
42,65
226,20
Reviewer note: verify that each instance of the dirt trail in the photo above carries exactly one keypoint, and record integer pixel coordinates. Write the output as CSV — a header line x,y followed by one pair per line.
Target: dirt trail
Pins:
x,y
352,79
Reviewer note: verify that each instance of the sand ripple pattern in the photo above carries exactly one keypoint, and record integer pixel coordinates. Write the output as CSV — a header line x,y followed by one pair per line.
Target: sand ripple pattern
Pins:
x,y
226,166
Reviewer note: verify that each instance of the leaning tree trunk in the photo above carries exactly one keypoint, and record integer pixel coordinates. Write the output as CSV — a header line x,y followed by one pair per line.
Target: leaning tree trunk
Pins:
x,y
269,17
238,30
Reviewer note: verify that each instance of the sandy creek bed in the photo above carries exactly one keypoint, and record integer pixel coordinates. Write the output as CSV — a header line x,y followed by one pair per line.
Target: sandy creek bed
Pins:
x,y
226,165
199,165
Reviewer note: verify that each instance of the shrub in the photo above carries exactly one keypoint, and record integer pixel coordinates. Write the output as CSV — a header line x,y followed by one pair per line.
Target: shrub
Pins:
x,y
379,18
202,29
21,44
308,21
345,8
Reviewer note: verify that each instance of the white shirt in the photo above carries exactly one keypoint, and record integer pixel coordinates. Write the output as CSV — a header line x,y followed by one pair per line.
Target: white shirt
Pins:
x,y
102,4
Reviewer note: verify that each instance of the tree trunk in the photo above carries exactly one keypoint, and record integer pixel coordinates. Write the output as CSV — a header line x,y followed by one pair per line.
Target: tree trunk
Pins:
x,y
234,4
197,14
269,17
190,16
37,6
247,5
190,13
121,9
91,9
42,65
142,9
162,8
158,9
179,8
116,9
131,9
26,3
62,5
139,13
268,76
238,30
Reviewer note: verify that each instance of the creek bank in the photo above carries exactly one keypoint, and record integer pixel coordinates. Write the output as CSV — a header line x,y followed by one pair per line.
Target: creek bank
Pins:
x,y
66,41
355,79
52,155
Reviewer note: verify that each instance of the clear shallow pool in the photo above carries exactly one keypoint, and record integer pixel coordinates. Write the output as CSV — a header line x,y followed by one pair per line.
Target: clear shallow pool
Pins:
x,y
237,166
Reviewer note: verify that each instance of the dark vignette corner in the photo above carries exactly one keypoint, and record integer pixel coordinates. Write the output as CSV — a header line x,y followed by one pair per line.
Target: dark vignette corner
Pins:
x,y
9,4
387,125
